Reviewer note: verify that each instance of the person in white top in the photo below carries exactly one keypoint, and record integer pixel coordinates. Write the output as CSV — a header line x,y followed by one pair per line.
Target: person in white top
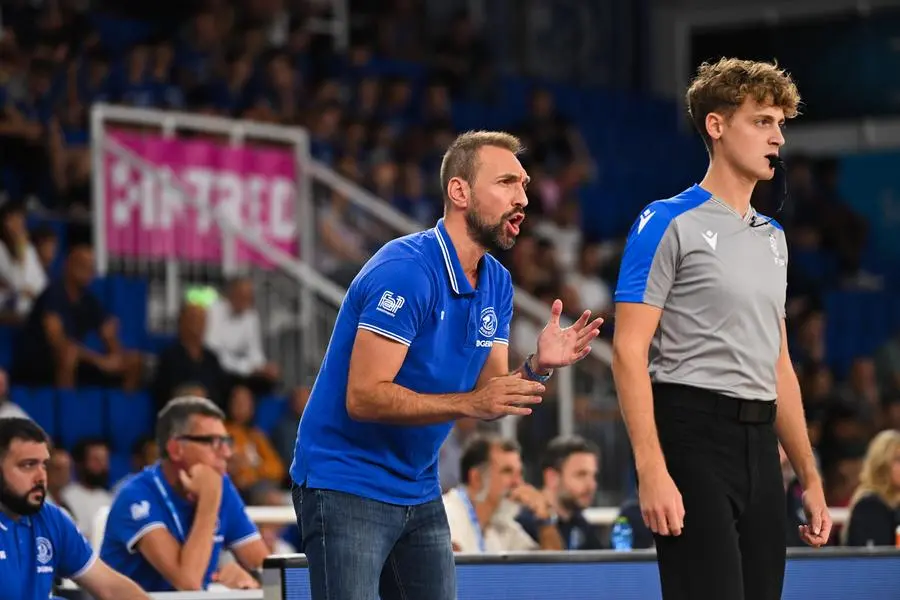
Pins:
x,y
482,511
89,492
233,334
22,276
8,408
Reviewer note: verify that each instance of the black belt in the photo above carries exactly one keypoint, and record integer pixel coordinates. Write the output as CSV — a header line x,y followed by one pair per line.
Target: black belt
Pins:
x,y
710,402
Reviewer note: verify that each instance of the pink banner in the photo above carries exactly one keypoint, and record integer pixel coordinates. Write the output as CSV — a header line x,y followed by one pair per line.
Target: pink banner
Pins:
x,y
254,186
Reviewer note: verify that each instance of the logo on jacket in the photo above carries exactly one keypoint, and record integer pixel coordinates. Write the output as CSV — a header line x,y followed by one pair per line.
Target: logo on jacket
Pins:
x,y
488,322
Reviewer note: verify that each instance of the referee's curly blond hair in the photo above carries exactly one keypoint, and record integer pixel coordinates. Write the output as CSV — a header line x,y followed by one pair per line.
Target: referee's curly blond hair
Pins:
x,y
722,87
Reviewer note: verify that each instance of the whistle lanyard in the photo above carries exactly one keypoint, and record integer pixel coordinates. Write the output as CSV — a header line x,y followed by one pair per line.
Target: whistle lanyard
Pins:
x,y
473,517
168,502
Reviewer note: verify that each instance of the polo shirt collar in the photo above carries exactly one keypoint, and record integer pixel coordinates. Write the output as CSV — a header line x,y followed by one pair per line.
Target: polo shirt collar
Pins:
x,y
459,283
7,523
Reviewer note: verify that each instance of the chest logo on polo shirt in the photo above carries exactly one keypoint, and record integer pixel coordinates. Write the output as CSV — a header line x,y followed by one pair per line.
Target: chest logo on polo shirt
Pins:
x,y
44,554
389,304
711,238
488,322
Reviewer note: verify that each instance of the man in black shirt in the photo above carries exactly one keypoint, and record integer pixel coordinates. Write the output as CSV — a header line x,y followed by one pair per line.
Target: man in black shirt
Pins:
x,y
55,347
570,466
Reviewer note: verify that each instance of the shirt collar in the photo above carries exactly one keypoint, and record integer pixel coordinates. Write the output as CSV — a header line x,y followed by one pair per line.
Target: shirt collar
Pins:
x,y
6,522
459,283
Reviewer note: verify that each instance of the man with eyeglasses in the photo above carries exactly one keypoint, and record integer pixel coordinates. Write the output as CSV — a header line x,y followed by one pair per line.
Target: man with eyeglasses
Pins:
x,y
169,523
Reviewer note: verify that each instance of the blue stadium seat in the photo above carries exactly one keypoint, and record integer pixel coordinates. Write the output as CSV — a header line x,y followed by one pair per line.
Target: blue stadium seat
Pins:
x,y
39,403
130,417
6,346
119,466
81,415
128,302
269,410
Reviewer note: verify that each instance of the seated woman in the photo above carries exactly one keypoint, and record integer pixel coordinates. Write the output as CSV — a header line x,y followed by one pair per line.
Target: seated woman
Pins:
x,y
875,507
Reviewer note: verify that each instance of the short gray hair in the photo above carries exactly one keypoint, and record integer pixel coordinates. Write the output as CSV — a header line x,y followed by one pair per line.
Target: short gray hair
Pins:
x,y
175,418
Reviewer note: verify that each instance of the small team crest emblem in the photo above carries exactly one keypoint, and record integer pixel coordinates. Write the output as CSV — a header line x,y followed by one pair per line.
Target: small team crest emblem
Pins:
x,y
488,322
44,550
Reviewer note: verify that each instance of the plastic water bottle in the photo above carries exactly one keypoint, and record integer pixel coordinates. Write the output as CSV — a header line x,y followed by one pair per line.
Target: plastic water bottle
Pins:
x,y
622,535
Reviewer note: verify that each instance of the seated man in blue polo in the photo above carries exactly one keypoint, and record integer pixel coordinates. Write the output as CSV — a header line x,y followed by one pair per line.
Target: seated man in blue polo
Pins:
x,y
169,523
38,541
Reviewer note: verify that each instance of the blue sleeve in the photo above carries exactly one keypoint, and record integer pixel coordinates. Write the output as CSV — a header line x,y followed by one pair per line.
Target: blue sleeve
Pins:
x,y
650,258
394,299
506,312
133,515
75,553
238,526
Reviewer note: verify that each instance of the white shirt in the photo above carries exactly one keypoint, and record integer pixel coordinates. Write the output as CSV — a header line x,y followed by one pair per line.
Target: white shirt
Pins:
x,y
503,533
235,339
84,504
26,276
11,410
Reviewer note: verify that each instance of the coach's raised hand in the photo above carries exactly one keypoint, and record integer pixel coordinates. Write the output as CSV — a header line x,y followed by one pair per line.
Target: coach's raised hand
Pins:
x,y
559,347
502,396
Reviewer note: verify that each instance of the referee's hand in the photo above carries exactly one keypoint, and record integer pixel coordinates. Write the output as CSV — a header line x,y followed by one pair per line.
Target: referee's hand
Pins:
x,y
661,504
503,396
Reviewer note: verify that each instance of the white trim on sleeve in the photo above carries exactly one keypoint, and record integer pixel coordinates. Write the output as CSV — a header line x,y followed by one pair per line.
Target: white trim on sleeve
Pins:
x,y
385,333
130,544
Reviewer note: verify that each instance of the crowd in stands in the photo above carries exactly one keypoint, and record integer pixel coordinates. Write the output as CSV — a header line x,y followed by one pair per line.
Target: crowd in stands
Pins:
x,y
387,134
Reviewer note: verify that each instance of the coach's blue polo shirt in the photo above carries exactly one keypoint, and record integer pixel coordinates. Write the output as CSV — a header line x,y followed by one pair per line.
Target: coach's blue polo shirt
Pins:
x,y
147,502
36,550
413,291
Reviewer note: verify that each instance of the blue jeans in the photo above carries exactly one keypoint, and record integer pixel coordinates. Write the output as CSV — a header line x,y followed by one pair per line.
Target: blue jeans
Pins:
x,y
362,549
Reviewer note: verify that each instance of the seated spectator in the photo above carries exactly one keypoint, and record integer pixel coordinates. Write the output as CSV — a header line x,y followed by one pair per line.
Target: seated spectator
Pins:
x,y
482,511
59,476
254,463
53,350
284,435
188,361
90,490
451,452
570,483
8,408
233,335
22,277
168,524
144,453
875,506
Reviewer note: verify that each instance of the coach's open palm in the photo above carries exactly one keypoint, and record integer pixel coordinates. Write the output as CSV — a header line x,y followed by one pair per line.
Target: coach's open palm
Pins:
x,y
558,347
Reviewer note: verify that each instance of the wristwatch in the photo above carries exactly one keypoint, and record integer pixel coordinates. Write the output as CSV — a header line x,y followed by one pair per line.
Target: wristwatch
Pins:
x,y
534,376
553,519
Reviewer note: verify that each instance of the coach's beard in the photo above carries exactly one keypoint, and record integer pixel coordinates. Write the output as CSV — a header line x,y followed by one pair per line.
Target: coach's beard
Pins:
x,y
490,237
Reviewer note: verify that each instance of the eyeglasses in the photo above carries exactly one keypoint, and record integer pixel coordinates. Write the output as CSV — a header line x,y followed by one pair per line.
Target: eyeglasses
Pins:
x,y
216,442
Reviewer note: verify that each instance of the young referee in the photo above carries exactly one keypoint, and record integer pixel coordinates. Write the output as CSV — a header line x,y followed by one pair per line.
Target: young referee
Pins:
x,y
701,291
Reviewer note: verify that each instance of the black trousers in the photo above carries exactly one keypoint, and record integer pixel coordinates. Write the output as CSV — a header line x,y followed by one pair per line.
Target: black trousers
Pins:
x,y
722,454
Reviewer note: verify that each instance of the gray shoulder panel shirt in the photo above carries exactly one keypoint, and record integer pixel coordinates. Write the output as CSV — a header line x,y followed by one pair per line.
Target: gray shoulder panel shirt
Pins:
x,y
721,285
